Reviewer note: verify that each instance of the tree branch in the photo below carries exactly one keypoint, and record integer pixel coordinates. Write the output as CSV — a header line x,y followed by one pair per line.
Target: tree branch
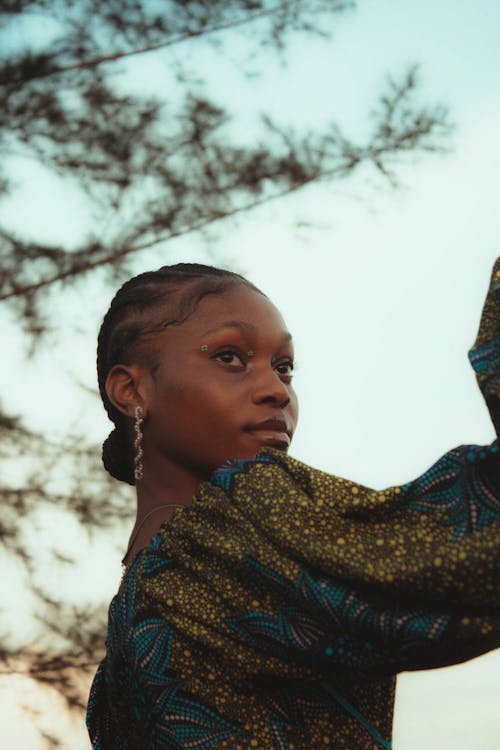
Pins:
x,y
95,62
82,268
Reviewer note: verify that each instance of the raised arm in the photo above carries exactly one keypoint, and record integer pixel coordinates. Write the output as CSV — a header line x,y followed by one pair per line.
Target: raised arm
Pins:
x,y
380,582
307,584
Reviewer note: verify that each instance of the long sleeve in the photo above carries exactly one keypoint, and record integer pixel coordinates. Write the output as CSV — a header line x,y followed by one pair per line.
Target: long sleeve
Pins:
x,y
331,574
275,611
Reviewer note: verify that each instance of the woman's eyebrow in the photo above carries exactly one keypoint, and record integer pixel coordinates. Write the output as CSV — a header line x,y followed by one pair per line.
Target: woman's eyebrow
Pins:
x,y
241,325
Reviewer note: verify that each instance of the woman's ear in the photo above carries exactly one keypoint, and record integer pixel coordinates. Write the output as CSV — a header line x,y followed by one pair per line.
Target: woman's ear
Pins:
x,y
123,386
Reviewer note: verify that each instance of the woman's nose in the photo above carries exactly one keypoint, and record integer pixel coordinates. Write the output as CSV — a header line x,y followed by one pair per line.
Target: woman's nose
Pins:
x,y
270,389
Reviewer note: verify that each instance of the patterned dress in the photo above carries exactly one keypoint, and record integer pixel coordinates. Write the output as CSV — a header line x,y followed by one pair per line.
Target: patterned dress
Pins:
x,y
276,610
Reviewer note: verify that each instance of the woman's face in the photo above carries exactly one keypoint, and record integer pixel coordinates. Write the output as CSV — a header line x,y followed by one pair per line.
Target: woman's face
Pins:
x,y
223,385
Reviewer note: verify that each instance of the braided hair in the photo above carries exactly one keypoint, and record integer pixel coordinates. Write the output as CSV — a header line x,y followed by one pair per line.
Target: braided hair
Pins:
x,y
134,316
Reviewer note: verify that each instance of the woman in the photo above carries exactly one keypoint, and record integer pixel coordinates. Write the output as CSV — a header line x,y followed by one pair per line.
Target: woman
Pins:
x,y
265,604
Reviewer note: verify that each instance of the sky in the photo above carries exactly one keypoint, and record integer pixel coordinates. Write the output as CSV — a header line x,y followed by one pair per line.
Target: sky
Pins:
x,y
381,289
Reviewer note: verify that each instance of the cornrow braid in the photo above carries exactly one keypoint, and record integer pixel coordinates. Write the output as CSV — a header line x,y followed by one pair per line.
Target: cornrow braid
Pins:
x,y
132,316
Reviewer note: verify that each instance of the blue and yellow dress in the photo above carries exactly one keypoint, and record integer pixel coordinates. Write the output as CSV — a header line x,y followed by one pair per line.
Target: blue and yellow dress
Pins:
x,y
276,610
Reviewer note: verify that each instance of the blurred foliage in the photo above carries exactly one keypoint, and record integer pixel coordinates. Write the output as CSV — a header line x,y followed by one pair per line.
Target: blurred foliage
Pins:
x,y
152,167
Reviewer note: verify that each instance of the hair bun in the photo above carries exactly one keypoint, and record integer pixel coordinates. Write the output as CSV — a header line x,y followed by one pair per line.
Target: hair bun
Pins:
x,y
117,458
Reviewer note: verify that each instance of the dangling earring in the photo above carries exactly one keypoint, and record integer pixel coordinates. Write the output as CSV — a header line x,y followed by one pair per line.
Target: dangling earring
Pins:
x,y
138,467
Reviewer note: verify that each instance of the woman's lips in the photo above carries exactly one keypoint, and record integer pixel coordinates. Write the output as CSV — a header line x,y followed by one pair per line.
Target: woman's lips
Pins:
x,y
274,431
271,437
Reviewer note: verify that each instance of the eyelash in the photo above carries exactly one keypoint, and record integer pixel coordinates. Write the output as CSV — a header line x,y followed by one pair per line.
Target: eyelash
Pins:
x,y
236,353
231,352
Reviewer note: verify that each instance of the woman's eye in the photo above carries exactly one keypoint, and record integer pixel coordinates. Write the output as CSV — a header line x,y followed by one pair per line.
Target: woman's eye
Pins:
x,y
229,357
285,368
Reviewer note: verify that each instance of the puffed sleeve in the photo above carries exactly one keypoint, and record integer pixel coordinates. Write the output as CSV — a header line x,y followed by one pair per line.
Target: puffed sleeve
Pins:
x,y
381,581
284,566
283,587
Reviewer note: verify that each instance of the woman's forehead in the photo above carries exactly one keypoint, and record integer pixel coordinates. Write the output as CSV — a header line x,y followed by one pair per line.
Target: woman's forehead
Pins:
x,y
242,309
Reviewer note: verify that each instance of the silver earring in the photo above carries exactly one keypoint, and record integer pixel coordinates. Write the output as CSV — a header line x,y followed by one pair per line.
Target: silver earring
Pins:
x,y
138,467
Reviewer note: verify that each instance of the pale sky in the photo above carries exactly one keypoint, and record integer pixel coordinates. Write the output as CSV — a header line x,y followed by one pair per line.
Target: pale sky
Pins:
x,y
382,291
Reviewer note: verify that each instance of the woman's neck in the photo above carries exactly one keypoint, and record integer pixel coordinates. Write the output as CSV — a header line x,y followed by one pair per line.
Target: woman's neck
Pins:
x,y
165,482
172,485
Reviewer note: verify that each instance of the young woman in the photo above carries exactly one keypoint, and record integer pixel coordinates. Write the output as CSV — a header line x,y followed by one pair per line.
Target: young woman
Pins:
x,y
265,604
